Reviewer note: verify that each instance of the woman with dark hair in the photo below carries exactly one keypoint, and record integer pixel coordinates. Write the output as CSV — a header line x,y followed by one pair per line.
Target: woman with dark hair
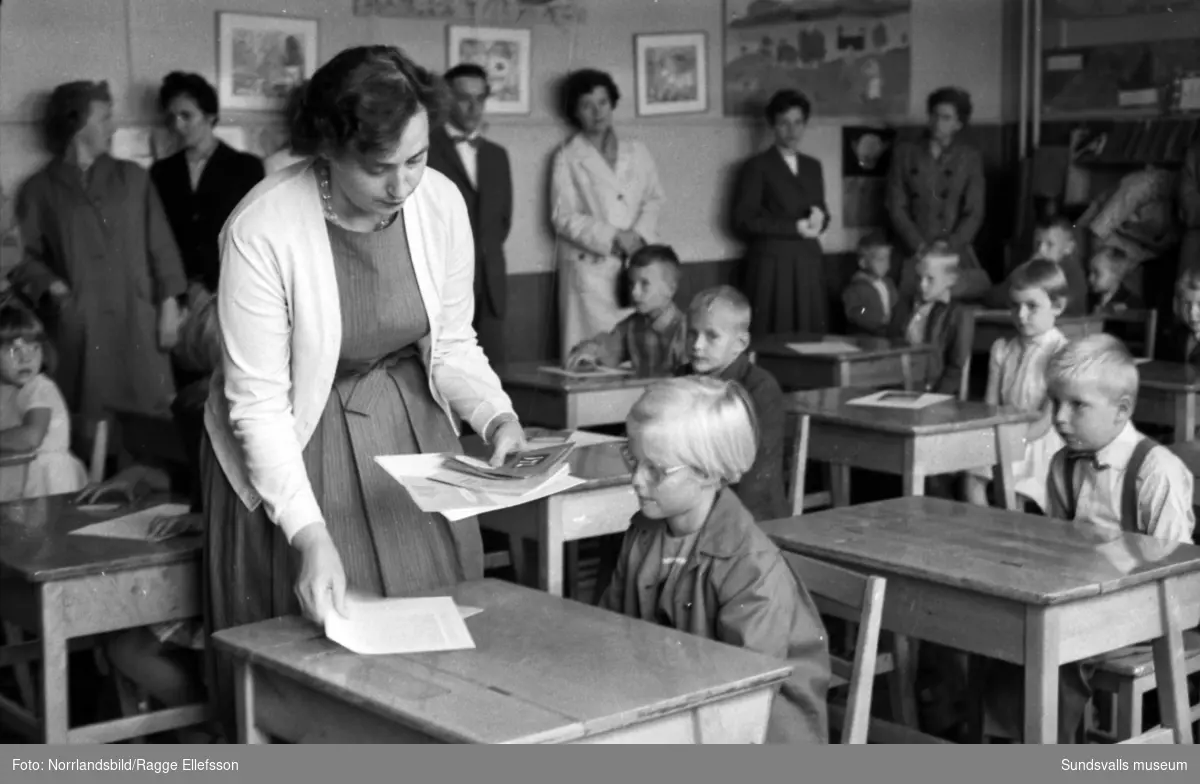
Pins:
x,y
345,306
100,263
605,200
201,183
779,210
935,192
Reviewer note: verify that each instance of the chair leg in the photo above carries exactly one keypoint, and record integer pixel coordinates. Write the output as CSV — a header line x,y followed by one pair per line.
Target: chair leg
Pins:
x,y
22,671
516,552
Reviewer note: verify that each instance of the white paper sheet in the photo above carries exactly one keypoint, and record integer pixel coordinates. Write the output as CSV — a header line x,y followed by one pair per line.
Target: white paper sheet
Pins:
x,y
898,399
133,526
456,503
386,626
588,438
600,372
826,347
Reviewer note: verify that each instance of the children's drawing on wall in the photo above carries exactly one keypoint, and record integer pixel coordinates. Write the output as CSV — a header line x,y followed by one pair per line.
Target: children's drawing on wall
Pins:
x,y
866,156
505,12
671,73
261,58
851,57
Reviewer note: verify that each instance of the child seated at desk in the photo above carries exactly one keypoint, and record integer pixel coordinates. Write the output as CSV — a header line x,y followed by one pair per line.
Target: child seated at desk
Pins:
x,y
719,342
33,414
1106,278
652,338
1017,375
166,660
871,297
933,318
1108,475
1179,340
693,558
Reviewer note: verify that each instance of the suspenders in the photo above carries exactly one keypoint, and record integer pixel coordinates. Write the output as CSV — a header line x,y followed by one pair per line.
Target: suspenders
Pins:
x,y
1129,496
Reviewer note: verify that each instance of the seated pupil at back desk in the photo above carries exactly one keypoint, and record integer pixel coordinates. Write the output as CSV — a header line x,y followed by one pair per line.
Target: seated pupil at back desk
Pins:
x,y
1106,278
933,318
718,342
653,337
1180,340
871,297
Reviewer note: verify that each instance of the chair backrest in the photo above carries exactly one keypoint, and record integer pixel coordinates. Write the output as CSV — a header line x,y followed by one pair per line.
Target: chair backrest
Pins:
x,y
854,597
1148,319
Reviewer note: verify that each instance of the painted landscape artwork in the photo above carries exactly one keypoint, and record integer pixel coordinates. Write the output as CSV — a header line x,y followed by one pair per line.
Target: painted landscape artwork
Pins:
x,y
850,57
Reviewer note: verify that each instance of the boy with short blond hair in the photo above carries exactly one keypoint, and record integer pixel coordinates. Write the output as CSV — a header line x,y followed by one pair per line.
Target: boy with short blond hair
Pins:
x,y
933,318
718,346
652,338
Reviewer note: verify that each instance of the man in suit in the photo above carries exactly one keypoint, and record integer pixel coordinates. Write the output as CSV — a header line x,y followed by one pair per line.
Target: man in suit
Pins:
x,y
480,170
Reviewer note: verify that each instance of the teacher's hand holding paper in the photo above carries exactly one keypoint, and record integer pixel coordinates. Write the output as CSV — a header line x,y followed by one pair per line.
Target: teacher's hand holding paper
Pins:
x,y
321,586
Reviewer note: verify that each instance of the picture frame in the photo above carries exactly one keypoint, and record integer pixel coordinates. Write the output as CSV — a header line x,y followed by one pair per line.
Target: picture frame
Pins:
x,y
671,73
260,58
504,53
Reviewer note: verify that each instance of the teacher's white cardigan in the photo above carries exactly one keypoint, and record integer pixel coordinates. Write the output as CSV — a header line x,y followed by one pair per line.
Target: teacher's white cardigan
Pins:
x,y
281,324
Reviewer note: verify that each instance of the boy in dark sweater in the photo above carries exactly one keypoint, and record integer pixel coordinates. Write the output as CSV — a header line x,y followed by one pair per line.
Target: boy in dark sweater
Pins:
x,y
718,345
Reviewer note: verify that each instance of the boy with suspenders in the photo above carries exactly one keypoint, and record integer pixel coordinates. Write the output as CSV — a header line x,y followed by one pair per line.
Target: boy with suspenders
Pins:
x,y
1109,475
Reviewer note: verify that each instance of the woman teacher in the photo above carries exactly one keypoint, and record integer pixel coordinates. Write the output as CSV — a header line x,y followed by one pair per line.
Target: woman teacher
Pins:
x,y
936,190
605,199
345,303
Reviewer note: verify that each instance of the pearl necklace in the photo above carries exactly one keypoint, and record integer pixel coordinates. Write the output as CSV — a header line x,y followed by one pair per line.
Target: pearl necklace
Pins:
x,y
327,202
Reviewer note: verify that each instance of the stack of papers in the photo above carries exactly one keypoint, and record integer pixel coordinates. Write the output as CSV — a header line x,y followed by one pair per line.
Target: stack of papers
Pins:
x,y
588,372
386,626
424,477
149,525
824,347
521,473
900,399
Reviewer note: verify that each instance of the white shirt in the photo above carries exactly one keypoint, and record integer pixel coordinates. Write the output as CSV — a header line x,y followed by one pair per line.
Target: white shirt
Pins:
x,y
468,153
884,297
791,159
1164,489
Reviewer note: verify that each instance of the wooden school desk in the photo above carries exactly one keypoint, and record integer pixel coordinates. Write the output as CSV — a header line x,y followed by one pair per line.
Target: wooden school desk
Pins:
x,y
993,324
874,362
1167,394
543,670
603,504
551,400
1019,588
63,587
943,438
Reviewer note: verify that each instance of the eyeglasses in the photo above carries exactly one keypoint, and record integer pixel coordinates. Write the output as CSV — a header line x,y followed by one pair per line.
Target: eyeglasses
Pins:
x,y
21,349
656,474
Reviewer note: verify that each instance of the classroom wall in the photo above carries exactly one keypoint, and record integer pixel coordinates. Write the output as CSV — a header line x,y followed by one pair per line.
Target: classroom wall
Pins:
x,y
133,43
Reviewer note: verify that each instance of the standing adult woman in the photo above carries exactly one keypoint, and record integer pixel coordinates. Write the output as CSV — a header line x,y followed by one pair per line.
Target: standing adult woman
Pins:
x,y
201,183
345,304
605,200
779,210
935,191
100,262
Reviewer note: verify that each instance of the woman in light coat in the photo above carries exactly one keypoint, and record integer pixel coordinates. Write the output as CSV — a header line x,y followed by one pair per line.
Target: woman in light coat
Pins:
x,y
345,304
605,200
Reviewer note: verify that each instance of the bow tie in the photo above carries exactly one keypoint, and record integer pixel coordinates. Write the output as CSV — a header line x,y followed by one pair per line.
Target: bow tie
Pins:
x,y
473,141
1084,457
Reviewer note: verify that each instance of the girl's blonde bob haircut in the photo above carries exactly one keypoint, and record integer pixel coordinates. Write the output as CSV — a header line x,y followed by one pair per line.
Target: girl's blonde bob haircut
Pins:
x,y
703,423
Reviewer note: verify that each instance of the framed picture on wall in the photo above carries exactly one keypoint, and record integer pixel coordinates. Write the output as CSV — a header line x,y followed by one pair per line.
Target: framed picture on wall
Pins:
x,y
672,73
261,58
504,54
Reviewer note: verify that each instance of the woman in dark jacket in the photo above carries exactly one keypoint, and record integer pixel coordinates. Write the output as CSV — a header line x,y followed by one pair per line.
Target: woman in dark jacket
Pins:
x,y
201,183
779,210
935,192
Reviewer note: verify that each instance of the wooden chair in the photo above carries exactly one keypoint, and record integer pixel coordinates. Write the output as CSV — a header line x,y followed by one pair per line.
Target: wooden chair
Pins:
x,y
1128,676
1148,319
844,594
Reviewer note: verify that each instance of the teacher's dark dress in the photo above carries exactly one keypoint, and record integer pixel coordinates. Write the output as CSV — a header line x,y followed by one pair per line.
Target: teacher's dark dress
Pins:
x,y
783,272
380,404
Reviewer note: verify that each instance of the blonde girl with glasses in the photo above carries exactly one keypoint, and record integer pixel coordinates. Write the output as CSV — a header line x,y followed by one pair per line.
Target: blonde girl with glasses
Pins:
x,y
33,415
693,558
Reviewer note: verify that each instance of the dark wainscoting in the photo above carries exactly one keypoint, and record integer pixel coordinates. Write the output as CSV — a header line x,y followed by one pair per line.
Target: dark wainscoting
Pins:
x,y
531,329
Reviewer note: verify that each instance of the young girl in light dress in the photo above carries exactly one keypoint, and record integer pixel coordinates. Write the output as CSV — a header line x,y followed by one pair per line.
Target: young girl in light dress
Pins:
x,y
1037,293
33,415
